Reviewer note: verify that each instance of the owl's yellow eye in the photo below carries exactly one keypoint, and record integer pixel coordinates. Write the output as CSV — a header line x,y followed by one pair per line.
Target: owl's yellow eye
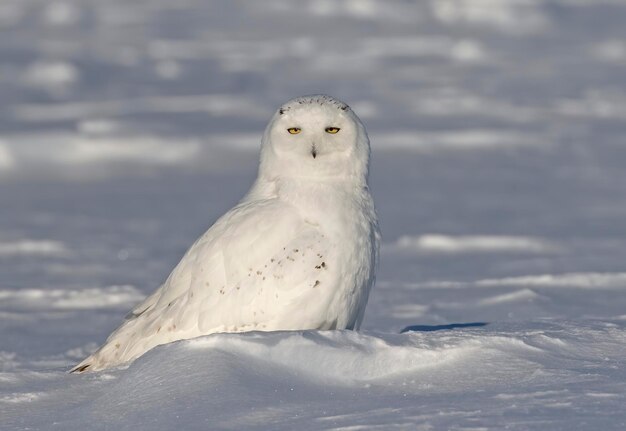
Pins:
x,y
294,130
332,130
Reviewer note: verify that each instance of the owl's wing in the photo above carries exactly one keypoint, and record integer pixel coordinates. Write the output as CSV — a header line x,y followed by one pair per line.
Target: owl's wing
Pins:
x,y
144,305
261,258
238,224
248,240
258,260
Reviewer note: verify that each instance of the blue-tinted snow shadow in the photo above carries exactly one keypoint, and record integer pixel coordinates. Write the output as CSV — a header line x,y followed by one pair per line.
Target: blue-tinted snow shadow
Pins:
x,y
430,328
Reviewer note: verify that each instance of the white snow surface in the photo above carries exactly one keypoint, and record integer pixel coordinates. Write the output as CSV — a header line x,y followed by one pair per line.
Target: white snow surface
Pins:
x,y
498,156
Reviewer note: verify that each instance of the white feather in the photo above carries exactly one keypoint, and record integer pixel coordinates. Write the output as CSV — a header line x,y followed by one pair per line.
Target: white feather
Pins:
x,y
298,252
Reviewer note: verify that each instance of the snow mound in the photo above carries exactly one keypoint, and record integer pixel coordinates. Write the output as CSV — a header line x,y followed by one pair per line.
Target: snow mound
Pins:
x,y
328,379
51,75
574,280
32,247
519,16
66,299
590,280
336,357
461,140
434,243
6,157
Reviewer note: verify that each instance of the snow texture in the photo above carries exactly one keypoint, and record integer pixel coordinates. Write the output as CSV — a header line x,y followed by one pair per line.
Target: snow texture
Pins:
x,y
498,155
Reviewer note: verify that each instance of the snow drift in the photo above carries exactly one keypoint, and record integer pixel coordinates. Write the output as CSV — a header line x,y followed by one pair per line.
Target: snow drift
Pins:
x,y
336,379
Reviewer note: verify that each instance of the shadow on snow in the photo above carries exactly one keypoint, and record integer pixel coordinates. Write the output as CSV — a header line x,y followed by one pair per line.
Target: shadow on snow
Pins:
x,y
430,328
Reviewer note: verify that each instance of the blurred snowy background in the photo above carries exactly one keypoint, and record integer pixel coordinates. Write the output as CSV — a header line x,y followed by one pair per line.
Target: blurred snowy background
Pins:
x,y
499,171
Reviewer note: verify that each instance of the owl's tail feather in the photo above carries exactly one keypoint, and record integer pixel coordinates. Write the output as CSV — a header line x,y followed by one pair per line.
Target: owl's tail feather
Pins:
x,y
105,357
119,348
99,360
90,363
80,368
127,342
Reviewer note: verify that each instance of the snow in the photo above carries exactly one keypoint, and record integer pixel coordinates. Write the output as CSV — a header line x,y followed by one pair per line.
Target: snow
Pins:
x,y
498,159
51,74
510,16
89,298
6,158
435,243
477,377
29,246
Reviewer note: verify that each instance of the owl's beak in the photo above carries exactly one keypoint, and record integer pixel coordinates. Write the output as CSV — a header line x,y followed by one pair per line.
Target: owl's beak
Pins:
x,y
313,151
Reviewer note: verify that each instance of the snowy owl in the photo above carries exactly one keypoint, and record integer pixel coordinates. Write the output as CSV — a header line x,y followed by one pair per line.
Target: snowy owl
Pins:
x,y
298,252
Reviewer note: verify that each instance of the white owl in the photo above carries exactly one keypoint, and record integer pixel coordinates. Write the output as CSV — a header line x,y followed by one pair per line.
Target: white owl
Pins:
x,y
298,252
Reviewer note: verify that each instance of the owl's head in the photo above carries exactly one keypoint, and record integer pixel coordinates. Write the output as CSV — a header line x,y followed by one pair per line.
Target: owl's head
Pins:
x,y
315,136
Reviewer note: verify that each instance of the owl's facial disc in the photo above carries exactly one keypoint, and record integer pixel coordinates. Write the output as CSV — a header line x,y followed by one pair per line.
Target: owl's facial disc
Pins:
x,y
315,137
323,134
